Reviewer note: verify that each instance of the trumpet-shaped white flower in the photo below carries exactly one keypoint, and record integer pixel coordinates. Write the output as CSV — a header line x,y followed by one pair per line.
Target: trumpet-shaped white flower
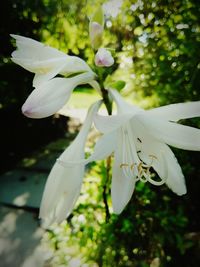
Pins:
x,y
64,184
45,61
103,58
139,140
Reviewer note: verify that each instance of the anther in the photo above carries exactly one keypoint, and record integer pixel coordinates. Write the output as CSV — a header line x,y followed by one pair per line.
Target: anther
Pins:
x,y
124,165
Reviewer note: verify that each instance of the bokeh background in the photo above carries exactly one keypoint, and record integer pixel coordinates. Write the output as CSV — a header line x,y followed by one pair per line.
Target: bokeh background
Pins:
x,y
157,46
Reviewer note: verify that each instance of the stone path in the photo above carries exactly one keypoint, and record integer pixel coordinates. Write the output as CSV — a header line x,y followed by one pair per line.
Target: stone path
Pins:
x,y
20,195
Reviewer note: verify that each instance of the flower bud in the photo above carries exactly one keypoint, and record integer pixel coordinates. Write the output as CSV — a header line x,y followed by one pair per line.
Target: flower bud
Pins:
x,y
96,28
103,58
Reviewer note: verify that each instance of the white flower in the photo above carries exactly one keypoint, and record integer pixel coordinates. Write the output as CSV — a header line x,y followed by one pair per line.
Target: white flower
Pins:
x,y
50,94
46,62
103,58
64,184
139,141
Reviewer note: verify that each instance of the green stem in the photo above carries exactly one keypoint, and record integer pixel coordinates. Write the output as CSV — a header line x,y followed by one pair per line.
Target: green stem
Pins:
x,y
108,105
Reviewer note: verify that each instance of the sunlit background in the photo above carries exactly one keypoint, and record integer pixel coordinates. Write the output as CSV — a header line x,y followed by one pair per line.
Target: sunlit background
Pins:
x,y
157,45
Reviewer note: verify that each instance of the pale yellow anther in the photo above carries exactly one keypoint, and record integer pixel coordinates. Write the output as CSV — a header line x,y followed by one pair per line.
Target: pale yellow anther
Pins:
x,y
132,166
124,165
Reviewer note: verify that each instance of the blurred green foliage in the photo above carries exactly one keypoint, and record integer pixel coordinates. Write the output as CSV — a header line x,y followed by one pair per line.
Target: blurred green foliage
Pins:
x,y
157,52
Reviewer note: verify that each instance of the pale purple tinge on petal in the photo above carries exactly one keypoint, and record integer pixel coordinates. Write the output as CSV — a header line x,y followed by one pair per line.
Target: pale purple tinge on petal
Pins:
x,y
51,95
103,58
64,183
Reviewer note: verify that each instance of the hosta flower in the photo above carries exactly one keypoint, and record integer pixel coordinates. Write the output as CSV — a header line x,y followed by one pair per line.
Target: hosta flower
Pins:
x,y
50,93
63,185
96,27
103,58
45,61
139,140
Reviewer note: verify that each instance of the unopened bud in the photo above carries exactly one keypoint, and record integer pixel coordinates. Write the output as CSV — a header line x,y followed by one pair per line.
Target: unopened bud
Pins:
x,y
103,58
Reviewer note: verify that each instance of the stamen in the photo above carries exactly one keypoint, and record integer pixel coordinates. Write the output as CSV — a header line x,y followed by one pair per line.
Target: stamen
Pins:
x,y
143,174
124,165
132,166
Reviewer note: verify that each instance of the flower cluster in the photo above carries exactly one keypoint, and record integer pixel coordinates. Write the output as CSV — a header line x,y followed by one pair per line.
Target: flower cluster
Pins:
x,y
138,139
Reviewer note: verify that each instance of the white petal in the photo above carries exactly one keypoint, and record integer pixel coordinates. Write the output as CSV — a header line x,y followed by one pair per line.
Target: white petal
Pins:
x,y
31,49
44,60
35,56
50,96
64,183
175,112
61,192
173,134
175,179
40,78
164,163
122,105
106,124
103,148
75,65
121,189
122,185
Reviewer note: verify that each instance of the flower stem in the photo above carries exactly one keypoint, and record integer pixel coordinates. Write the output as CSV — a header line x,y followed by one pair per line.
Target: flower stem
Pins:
x,y
108,105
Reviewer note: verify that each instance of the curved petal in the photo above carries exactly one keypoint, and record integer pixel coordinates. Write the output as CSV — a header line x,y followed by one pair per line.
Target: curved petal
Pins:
x,y
48,98
173,134
175,112
122,183
61,192
51,95
162,159
122,105
175,179
121,189
74,65
33,55
44,60
103,148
